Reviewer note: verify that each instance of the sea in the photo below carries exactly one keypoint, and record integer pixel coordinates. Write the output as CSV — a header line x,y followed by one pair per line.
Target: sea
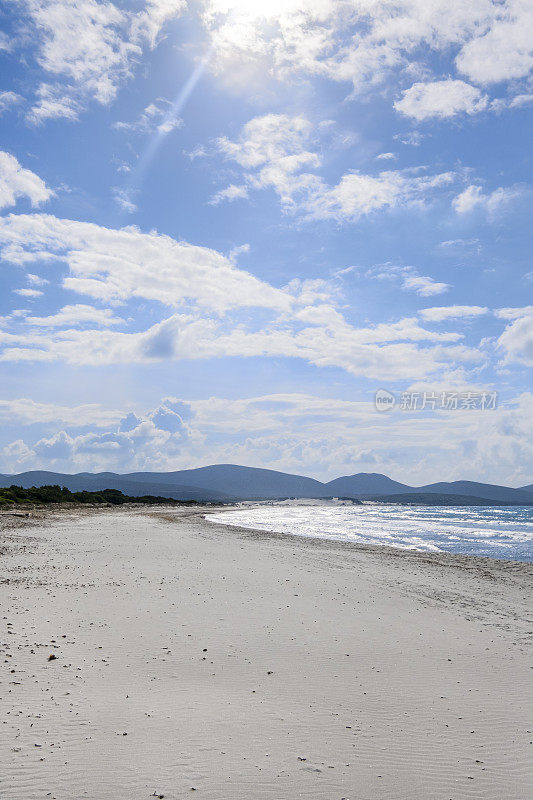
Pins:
x,y
494,531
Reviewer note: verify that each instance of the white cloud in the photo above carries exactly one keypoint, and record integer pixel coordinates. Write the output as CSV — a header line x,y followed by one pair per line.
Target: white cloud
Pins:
x,y
86,42
147,24
8,100
413,138
53,102
387,156
298,321
273,150
358,195
441,99
303,433
138,447
6,44
365,42
157,116
123,200
410,279
15,182
91,48
116,265
514,313
29,412
75,315
317,334
30,293
231,192
237,251
423,285
505,51
36,280
493,203
441,313
516,342
275,153
521,100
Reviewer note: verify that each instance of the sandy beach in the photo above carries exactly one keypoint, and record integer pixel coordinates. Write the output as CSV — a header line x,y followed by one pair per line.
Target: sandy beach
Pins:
x,y
154,653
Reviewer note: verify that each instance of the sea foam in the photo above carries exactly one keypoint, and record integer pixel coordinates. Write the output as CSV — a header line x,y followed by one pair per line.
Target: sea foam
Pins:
x,y
498,532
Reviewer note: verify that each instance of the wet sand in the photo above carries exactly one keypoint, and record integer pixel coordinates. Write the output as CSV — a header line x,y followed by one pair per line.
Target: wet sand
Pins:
x,y
194,659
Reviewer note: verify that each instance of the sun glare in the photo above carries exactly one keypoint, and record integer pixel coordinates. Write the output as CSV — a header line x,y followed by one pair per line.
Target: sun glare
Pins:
x,y
255,9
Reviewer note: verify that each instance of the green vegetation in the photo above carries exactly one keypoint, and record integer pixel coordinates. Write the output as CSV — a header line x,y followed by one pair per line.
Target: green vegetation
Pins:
x,y
60,494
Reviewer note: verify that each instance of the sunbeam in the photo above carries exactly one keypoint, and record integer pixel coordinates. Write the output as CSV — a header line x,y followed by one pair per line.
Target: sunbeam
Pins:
x,y
167,124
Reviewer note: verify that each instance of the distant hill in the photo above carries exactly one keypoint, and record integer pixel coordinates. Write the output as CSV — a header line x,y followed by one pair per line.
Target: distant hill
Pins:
x,y
471,488
93,482
365,483
242,482
225,482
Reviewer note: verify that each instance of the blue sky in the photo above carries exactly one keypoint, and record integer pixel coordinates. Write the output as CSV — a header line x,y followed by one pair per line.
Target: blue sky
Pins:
x,y
223,228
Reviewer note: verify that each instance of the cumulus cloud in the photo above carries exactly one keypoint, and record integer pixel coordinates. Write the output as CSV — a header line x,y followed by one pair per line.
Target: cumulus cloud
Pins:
x,y
493,202
364,43
209,296
301,320
231,192
521,100
297,432
514,313
16,181
273,149
36,280
75,315
29,293
503,52
440,99
133,442
116,265
317,334
516,342
90,48
358,195
276,152
441,313
410,279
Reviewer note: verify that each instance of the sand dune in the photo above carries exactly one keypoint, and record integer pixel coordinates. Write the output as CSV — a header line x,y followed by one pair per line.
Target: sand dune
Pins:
x,y
193,659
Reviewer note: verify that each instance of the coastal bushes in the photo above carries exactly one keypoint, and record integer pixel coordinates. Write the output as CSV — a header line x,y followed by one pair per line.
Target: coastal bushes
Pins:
x,y
60,494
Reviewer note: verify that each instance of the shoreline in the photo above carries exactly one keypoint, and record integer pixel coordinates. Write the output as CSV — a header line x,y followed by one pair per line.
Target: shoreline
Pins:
x,y
250,665
375,548
46,514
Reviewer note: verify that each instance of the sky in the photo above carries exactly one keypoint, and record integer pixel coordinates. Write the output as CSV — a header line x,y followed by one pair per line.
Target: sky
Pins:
x,y
226,224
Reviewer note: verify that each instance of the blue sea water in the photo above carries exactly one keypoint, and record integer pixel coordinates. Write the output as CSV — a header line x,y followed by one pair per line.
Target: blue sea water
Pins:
x,y
497,532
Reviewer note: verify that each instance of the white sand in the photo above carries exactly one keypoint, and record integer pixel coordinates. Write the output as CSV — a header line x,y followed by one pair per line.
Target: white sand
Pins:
x,y
253,666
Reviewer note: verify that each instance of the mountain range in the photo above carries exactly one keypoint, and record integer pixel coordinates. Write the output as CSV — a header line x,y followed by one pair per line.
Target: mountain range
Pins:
x,y
226,482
